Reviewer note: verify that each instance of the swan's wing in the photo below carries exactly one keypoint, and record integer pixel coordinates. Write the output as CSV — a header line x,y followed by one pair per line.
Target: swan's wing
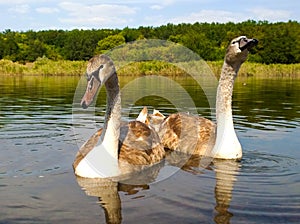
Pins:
x,y
143,115
157,113
140,144
87,147
187,133
155,120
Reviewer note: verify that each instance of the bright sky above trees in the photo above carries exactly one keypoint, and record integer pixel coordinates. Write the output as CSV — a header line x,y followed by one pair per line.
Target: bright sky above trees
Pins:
x,y
23,15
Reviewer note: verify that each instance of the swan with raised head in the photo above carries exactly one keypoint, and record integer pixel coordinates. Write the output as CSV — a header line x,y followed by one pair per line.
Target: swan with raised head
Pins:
x,y
119,147
198,135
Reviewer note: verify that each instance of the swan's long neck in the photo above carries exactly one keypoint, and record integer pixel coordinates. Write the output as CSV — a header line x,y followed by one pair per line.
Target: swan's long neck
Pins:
x,y
227,145
111,128
102,161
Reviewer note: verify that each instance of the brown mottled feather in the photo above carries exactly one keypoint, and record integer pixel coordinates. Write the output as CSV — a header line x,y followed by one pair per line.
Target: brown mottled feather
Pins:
x,y
187,133
138,145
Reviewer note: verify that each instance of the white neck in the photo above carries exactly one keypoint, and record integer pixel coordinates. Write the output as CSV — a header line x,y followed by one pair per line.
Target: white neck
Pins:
x,y
102,161
111,128
227,145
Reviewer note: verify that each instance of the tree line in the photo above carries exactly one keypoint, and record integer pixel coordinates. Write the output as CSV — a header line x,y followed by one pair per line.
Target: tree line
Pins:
x,y
278,42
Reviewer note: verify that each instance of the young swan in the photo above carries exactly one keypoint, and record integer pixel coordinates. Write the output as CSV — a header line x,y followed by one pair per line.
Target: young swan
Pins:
x,y
198,135
123,147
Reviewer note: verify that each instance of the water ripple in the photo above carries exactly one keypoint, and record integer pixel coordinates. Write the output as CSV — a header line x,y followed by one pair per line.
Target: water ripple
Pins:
x,y
264,182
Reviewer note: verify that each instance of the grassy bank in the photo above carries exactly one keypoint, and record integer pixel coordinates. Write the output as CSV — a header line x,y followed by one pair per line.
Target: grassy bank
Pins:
x,y
262,70
45,66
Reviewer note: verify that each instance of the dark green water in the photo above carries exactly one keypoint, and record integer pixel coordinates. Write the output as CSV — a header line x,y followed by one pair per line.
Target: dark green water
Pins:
x,y
41,128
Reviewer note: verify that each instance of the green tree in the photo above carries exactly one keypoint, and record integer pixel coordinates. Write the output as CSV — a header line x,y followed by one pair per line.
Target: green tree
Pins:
x,y
278,45
131,34
8,45
278,42
31,51
109,42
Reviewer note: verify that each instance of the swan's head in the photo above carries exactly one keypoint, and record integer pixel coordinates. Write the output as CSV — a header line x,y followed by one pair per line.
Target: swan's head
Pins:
x,y
238,50
99,69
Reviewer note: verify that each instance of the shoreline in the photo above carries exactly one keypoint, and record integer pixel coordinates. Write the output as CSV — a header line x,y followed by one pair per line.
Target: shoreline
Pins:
x,y
47,67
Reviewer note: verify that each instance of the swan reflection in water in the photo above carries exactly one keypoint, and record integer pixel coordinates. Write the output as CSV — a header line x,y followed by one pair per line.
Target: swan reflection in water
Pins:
x,y
107,190
226,172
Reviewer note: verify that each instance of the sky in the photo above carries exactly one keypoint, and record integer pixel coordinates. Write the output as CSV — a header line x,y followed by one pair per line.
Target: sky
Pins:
x,y
24,15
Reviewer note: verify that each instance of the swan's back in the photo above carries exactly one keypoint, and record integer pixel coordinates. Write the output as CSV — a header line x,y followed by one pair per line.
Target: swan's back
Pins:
x,y
187,133
140,144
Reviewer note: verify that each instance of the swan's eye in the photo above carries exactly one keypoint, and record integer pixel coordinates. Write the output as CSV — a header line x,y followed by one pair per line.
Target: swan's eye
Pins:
x,y
91,83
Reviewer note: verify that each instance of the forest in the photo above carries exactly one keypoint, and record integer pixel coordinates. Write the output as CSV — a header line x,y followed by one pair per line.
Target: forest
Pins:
x,y
279,43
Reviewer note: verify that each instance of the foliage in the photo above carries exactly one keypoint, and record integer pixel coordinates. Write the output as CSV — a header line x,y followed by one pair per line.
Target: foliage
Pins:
x,y
109,42
45,66
278,42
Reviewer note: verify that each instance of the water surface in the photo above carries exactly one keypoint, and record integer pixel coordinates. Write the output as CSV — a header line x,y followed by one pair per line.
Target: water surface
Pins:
x,y
39,139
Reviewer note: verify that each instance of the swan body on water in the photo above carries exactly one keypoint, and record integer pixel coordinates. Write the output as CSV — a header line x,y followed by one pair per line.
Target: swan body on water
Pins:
x,y
119,148
200,136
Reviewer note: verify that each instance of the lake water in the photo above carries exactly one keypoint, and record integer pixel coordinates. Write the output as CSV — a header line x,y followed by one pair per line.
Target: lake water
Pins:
x,y
41,128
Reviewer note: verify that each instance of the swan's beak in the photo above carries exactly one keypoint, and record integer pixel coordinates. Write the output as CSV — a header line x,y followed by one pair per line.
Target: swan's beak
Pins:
x,y
91,91
247,44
